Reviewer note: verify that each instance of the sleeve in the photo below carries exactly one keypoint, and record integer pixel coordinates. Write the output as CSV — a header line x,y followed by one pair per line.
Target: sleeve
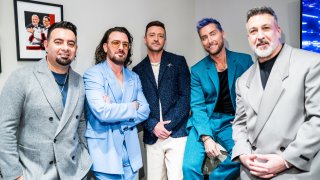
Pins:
x,y
143,110
105,112
11,108
239,129
306,145
151,122
181,109
200,119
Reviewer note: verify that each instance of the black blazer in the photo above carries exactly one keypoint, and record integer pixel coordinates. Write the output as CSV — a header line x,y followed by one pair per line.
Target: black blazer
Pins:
x,y
173,91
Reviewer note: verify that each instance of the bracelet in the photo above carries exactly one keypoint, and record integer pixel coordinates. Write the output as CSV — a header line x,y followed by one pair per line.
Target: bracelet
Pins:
x,y
206,139
286,164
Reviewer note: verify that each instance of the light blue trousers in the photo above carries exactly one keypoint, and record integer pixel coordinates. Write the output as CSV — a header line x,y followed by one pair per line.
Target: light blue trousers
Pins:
x,y
128,173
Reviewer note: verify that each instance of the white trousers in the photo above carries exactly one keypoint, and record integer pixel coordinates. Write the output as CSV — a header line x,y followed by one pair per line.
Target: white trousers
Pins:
x,y
165,158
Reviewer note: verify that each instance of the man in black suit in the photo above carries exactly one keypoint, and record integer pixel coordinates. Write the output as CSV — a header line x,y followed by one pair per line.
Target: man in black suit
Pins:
x,y
165,79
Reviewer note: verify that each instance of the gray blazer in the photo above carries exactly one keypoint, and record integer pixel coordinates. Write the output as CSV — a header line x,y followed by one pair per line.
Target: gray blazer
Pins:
x,y
38,136
284,118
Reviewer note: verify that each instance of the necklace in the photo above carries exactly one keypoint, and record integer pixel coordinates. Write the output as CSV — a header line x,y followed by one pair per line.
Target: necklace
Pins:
x,y
64,83
61,85
221,67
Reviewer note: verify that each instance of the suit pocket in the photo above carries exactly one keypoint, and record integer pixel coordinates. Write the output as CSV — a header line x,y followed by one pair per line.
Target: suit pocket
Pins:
x,y
96,134
30,161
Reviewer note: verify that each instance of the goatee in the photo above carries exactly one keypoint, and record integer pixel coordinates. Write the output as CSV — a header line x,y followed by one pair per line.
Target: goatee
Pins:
x,y
118,61
64,62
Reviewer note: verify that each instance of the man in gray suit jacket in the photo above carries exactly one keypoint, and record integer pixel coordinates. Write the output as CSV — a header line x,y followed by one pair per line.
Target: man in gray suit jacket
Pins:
x,y
41,128
277,125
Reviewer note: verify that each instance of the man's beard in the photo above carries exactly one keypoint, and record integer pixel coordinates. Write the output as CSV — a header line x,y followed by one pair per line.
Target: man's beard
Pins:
x,y
64,62
220,47
118,61
264,52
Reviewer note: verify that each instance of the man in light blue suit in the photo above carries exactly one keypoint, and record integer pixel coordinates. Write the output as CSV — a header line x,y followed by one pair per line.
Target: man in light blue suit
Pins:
x,y
213,104
115,104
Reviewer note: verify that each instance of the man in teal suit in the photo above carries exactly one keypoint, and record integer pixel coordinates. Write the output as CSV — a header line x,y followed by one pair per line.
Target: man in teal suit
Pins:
x,y
213,103
115,104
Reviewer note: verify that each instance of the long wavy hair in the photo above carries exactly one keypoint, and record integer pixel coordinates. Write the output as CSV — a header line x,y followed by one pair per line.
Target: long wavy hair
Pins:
x,y
101,56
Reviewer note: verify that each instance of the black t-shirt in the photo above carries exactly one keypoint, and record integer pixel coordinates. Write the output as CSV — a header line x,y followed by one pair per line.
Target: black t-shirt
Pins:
x,y
224,104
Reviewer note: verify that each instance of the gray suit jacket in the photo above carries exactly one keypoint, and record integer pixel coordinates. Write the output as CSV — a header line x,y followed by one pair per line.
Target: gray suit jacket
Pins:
x,y
284,118
38,136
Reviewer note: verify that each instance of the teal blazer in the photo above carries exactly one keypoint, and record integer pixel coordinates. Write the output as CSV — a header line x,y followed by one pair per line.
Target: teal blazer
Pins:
x,y
205,88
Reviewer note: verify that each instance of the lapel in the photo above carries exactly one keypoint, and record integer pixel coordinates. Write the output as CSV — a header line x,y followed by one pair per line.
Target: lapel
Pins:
x,y
112,83
212,72
273,90
72,99
128,86
232,69
255,90
164,65
149,72
49,87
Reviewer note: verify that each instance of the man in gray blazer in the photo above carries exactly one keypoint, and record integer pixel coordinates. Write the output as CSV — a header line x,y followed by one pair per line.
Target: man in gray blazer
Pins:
x,y
41,128
277,125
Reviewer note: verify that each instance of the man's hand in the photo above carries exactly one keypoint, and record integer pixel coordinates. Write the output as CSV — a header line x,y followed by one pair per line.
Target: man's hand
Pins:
x,y
160,131
20,178
211,147
247,160
136,104
30,30
264,166
106,99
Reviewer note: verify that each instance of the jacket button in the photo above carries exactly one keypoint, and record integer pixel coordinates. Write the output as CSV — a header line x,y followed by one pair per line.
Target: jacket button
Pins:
x,y
50,118
51,162
248,140
77,116
131,128
254,148
72,157
55,140
282,148
125,129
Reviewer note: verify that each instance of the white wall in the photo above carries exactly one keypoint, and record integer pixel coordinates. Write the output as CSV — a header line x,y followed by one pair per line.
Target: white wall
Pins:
x,y
94,17
232,16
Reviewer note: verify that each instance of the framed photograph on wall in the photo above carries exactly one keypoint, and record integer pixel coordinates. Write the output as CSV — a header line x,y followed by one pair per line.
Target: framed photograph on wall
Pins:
x,y
32,20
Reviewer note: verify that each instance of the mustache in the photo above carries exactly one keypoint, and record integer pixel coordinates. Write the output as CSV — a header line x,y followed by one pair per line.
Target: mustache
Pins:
x,y
262,42
120,52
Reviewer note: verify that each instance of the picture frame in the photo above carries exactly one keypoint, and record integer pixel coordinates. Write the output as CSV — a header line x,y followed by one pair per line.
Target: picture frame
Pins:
x,y
32,20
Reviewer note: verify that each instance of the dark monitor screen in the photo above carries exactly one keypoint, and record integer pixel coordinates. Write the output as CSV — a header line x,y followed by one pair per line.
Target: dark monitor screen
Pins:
x,y
310,25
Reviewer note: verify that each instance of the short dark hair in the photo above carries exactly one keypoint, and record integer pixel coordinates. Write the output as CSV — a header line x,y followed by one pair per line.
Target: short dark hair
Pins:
x,y
155,23
101,56
47,17
63,25
205,21
261,10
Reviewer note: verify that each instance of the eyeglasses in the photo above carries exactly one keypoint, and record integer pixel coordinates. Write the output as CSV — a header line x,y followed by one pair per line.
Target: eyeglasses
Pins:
x,y
116,44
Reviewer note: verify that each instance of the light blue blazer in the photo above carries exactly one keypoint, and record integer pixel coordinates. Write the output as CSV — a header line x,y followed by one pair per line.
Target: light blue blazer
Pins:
x,y
112,124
